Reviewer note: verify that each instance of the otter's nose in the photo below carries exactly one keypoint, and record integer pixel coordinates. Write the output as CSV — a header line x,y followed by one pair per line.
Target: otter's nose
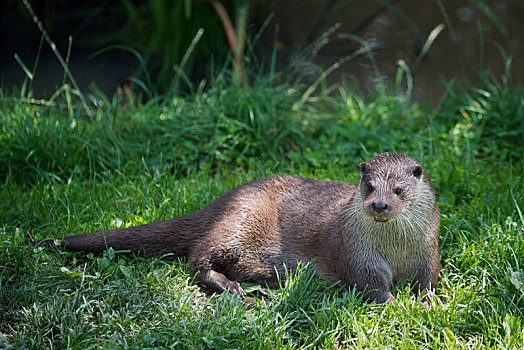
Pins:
x,y
379,207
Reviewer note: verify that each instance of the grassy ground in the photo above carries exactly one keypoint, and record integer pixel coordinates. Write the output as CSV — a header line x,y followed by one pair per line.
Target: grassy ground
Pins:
x,y
63,173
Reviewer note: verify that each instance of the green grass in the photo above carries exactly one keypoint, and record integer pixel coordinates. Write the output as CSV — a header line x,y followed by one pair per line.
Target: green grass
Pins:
x,y
63,173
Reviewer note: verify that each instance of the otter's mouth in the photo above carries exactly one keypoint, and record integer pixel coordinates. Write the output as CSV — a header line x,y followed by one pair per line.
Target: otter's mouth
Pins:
x,y
377,219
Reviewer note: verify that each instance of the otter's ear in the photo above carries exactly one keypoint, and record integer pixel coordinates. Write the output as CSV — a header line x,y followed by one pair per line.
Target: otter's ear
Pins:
x,y
363,167
417,171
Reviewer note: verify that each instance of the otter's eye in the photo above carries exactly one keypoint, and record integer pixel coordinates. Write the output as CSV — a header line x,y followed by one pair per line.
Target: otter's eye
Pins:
x,y
399,191
370,187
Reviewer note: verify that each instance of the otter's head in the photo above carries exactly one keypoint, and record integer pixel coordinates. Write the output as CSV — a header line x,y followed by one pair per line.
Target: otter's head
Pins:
x,y
389,183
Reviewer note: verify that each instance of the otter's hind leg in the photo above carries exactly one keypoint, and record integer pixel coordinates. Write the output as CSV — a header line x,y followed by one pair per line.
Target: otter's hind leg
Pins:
x,y
219,282
212,264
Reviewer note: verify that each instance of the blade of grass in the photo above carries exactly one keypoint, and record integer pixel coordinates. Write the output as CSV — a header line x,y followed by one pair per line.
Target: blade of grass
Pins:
x,y
59,57
427,45
149,88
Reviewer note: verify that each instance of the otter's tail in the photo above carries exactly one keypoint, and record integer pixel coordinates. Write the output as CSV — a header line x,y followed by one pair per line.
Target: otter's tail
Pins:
x,y
158,238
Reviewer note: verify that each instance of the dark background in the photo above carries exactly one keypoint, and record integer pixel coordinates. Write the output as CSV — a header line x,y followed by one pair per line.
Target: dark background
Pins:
x,y
481,35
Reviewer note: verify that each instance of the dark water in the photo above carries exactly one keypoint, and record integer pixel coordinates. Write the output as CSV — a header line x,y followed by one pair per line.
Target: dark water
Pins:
x,y
470,40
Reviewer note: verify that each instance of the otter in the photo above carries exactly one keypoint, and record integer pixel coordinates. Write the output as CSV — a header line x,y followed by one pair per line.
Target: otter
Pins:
x,y
382,231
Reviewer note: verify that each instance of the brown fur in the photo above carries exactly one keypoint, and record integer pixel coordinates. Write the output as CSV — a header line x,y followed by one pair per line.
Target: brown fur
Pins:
x,y
384,231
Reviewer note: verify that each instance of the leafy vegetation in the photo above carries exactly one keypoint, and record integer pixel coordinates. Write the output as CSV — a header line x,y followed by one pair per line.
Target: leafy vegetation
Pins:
x,y
65,173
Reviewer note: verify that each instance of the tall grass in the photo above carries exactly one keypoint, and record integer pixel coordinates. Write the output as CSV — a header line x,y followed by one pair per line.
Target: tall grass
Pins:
x,y
224,125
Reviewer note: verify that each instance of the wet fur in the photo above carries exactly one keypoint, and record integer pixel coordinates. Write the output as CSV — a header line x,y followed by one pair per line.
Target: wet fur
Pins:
x,y
252,231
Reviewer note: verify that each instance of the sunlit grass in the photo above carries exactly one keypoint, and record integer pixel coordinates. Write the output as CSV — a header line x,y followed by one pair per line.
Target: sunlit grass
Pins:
x,y
150,162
